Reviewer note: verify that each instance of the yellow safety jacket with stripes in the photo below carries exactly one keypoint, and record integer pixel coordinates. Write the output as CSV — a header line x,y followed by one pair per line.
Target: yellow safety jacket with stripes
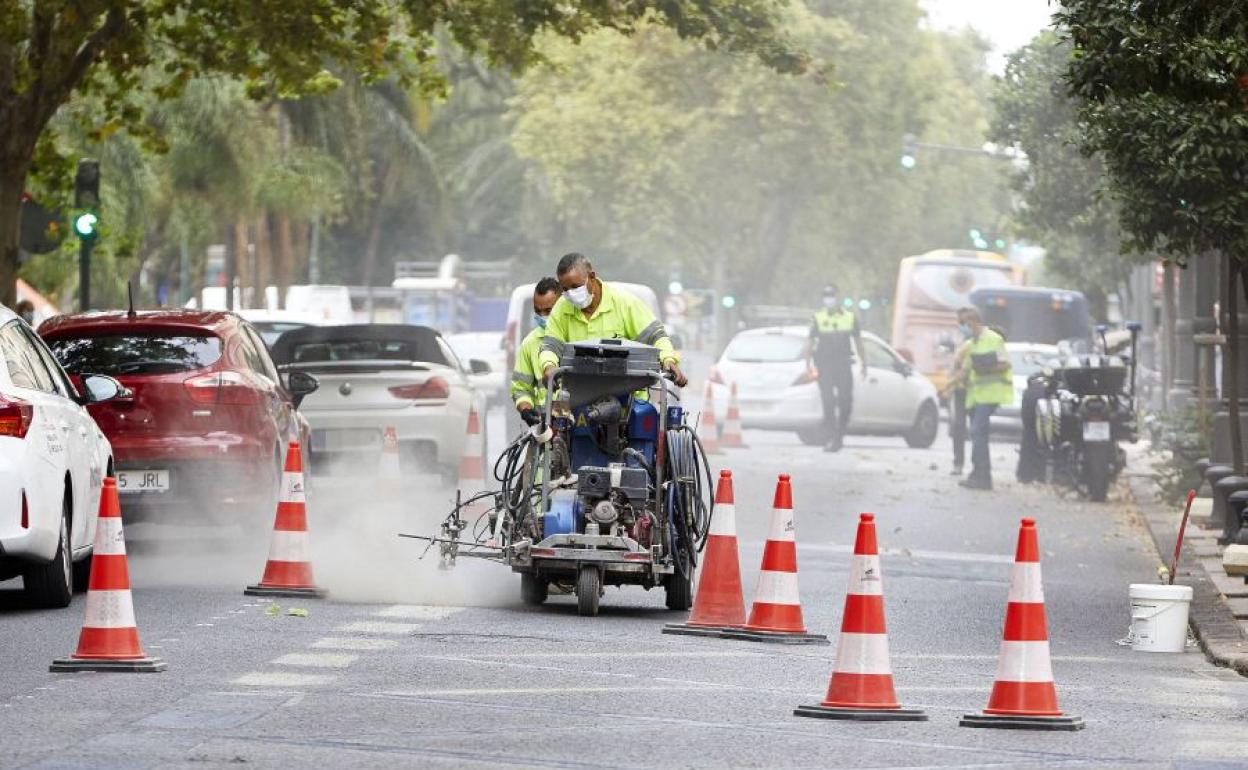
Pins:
x,y
618,315
983,386
526,378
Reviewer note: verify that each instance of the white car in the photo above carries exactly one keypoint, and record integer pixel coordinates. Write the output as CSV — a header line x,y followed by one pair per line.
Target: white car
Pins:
x,y
53,460
486,347
1026,359
374,377
777,390
272,324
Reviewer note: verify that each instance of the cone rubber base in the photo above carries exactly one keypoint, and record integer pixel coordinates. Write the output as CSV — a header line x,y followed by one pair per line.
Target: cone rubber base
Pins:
x,y
775,637
687,629
259,590
1069,724
861,715
137,665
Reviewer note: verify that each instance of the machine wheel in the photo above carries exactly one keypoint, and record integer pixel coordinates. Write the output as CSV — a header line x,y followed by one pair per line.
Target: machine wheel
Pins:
x,y
588,591
52,584
926,425
533,589
815,436
679,587
1096,461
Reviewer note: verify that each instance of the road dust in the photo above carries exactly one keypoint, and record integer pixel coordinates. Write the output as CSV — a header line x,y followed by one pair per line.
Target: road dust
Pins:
x,y
359,557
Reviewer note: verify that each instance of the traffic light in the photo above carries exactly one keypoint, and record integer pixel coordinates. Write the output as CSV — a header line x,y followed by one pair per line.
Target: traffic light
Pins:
x,y
728,301
909,151
87,199
85,225
977,239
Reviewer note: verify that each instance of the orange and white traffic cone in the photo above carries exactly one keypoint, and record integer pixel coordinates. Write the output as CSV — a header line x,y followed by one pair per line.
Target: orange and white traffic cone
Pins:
x,y
777,612
110,638
472,460
718,603
732,437
390,468
1024,696
862,679
288,571
708,430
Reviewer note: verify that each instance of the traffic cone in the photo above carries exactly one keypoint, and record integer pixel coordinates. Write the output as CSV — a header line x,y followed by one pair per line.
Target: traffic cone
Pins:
x,y
390,454
472,460
862,679
1023,695
732,437
718,603
288,571
708,431
110,639
777,612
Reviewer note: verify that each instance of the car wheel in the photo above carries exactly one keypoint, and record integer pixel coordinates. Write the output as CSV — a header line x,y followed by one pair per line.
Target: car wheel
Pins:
x,y
82,573
926,425
679,586
588,591
52,584
815,436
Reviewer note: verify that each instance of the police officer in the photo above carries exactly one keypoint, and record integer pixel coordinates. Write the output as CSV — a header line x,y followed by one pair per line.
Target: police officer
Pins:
x,y
831,331
526,391
592,309
990,384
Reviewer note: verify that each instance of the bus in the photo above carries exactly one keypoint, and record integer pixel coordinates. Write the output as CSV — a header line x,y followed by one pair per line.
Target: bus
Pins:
x,y
930,289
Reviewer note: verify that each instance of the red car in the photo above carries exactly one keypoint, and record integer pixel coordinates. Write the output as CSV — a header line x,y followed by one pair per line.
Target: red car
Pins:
x,y
207,419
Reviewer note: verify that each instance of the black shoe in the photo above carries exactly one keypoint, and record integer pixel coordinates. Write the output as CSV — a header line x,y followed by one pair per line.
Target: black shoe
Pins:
x,y
971,482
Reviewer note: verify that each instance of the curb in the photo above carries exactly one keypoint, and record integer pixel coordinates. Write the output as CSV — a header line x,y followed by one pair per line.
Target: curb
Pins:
x,y
1220,635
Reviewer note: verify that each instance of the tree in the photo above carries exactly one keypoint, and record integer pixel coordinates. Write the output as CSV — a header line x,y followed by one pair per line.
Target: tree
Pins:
x,y
1163,89
120,51
1062,209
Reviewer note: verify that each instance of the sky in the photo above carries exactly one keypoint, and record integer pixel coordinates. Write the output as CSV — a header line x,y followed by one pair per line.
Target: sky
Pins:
x,y
1009,24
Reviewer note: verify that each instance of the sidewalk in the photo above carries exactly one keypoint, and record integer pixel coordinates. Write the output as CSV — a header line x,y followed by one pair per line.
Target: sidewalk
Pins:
x,y
1219,613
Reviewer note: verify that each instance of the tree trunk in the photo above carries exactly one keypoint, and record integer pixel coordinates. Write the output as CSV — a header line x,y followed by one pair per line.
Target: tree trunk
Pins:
x,y
239,248
12,181
262,272
299,252
1232,361
285,258
1169,310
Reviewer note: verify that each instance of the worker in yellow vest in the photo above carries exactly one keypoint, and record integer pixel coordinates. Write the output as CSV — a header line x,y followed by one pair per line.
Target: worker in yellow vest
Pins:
x,y
832,331
989,384
528,392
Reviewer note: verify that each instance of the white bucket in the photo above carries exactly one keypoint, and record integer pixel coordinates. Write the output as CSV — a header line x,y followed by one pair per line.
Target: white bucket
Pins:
x,y
1159,617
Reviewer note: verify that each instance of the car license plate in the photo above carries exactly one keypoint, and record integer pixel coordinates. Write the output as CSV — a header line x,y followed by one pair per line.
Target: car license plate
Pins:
x,y
1096,431
345,439
143,481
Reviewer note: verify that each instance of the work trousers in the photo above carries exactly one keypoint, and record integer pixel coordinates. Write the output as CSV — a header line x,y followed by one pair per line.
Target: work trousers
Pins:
x,y
957,426
981,456
836,387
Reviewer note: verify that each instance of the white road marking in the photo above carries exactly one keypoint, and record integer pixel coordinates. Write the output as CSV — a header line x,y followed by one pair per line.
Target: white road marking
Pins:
x,y
353,643
316,659
418,612
539,691
208,625
377,627
263,679
631,654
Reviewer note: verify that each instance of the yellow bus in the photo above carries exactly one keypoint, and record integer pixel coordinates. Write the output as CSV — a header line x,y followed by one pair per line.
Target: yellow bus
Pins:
x,y
930,289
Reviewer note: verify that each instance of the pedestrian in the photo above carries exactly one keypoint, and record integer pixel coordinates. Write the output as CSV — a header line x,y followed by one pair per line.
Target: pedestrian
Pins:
x,y
528,393
955,394
831,332
990,384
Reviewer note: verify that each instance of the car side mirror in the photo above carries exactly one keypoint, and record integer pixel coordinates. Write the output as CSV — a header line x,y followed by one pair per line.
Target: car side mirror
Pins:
x,y
101,387
301,385
477,366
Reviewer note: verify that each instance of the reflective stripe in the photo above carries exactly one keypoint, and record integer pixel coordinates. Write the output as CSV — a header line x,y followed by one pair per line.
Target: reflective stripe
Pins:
x,y
1024,662
648,335
108,537
781,525
724,520
865,577
109,609
523,378
288,546
862,654
552,345
1025,584
777,588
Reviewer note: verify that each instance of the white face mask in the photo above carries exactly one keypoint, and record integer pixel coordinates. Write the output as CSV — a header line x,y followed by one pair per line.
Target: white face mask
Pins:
x,y
580,297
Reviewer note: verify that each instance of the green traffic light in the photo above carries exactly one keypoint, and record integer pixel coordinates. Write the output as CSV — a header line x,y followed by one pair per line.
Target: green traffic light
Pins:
x,y
84,224
999,243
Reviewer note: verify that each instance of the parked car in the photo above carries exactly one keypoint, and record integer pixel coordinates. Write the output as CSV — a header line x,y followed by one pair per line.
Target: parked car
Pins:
x,y
204,424
778,390
486,347
53,460
1026,359
375,377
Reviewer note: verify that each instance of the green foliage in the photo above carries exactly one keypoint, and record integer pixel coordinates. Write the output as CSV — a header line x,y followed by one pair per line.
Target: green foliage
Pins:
x,y
1163,94
1187,434
1060,187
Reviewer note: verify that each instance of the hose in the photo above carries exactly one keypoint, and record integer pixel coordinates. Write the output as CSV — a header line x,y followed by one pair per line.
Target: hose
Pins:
x,y
688,492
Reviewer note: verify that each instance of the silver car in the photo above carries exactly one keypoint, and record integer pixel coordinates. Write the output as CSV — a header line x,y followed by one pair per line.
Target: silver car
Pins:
x,y
778,390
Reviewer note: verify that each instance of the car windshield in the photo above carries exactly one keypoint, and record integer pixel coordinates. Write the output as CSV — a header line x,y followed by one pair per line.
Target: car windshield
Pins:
x,y
766,348
1028,362
125,354
367,350
271,330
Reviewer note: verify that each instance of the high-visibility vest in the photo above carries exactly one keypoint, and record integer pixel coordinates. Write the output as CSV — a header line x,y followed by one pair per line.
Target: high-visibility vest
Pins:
x,y
827,321
989,387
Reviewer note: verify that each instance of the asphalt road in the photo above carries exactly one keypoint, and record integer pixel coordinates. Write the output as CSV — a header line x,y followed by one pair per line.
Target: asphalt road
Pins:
x,y
407,666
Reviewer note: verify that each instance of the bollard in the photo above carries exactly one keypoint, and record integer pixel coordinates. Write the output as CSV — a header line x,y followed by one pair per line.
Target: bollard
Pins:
x,y
1237,507
1214,474
1202,465
1222,491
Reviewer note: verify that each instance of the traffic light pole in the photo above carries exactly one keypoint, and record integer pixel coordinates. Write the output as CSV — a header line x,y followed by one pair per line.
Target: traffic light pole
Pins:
x,y
84,273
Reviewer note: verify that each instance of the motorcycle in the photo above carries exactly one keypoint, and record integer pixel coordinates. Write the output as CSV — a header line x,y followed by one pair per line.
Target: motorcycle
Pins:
x,y
1084,410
